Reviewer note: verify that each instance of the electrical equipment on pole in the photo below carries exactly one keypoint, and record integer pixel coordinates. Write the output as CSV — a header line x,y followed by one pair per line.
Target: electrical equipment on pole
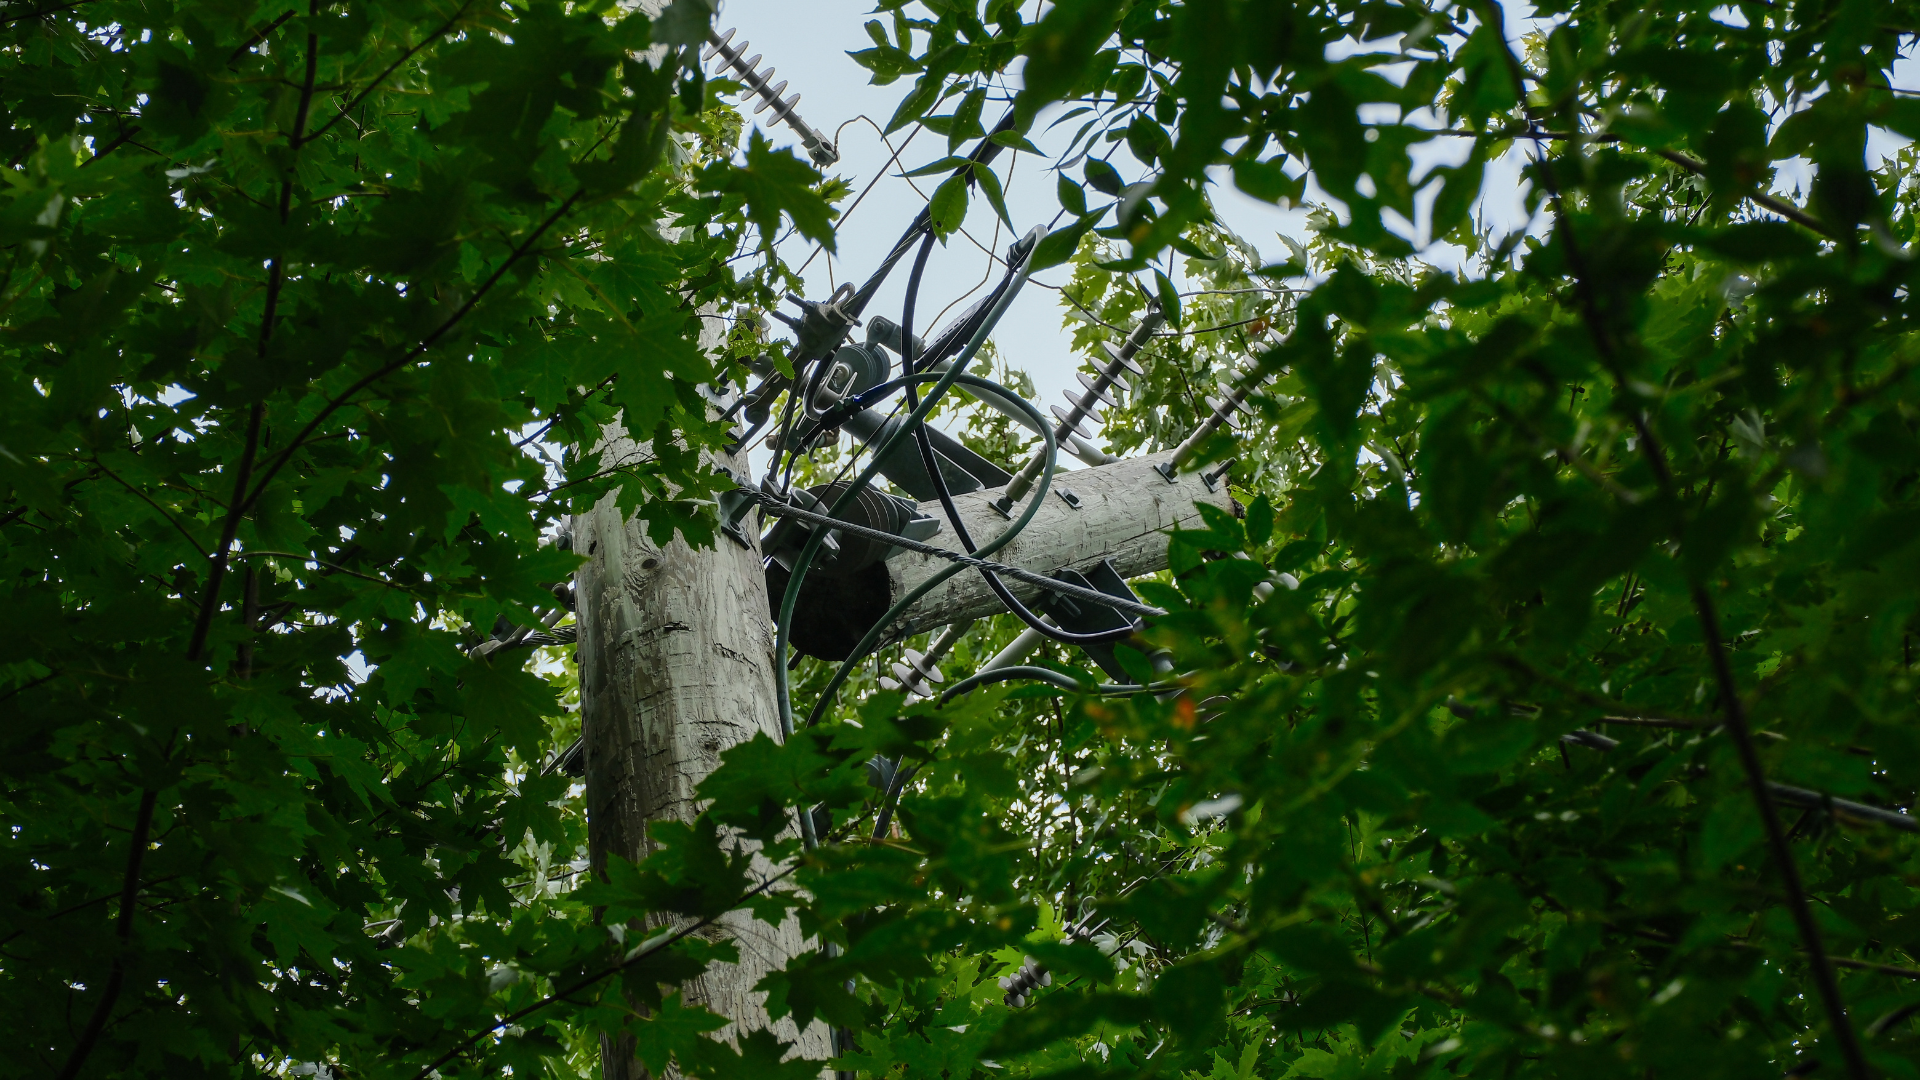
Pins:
x,y
683,652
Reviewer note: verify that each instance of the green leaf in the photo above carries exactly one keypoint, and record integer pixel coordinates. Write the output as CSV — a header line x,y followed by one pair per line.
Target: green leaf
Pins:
x,y
1072,196
1060,49
926,91
1013,140
945,164
673,1032
1059,245
1103,177
949,206
684,22
759,1057
500,697
990,186
772,183
1460,188
1268,180
966,118
1169,300
1259,521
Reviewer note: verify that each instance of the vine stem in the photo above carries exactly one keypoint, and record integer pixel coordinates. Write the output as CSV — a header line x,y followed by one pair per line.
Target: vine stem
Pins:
x,y
333,404
640,952
1734,711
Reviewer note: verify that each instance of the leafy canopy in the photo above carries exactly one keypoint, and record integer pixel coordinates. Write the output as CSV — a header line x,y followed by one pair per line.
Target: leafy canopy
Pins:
x,y
301,300
1539,735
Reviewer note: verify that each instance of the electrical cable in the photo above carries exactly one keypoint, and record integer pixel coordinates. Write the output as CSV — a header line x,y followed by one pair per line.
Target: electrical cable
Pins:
x,y
872,638
1047,675
785,430
772,504
982,154
945,495
783,623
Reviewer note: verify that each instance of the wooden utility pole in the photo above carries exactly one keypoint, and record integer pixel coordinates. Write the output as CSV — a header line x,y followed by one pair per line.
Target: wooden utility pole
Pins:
x,y
1119,512
676,644
676,666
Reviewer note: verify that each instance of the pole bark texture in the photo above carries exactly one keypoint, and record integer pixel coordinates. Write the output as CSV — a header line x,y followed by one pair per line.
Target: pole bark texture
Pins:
x,y
676,655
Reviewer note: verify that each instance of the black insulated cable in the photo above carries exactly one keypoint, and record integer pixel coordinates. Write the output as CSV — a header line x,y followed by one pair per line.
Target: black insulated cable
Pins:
x,y
960,531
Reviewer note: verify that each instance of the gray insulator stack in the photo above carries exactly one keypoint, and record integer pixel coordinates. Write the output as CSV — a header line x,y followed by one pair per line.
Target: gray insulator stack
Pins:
x,y
745,68
1086,404
1020,985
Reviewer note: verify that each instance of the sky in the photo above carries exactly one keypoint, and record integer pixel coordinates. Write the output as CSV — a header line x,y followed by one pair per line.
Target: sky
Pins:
x,y
806,43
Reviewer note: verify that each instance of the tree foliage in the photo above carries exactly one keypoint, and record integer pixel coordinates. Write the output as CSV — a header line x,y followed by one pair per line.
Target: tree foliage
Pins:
x,y
290,289
1539,733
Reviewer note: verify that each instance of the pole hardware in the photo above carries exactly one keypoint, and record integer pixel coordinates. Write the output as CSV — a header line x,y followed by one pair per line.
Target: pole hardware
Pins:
x,y
822,323
1222,411
911,677
845,552
1080,617
1214,479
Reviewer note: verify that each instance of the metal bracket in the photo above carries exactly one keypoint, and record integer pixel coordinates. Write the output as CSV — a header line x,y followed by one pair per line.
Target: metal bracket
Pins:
x,y
922,527
1087,617
1167,472
733,506
733,510
1067,496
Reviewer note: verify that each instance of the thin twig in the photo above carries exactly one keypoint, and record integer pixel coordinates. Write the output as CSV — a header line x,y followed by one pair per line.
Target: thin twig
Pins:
x,y
640,953
1778,205
259,36
335,567
348,108
1211,329
157,508
26,686
125,136
1732,706
426,343
877,177
217,562
1654,722
55,10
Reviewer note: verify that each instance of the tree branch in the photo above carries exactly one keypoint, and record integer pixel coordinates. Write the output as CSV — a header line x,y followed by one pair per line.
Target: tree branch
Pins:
x,y
335,567
640,953
258,37
129,893
340,399
43,12
1778,205
347,109
1733,708
170,519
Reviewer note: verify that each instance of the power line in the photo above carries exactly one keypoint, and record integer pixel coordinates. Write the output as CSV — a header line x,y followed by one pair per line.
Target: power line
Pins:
x,y
773,505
